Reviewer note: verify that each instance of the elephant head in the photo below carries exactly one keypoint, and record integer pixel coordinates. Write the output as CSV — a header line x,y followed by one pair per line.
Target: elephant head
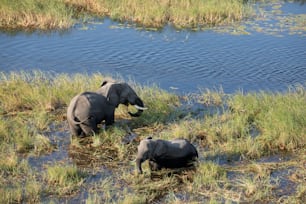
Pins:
x,y
165,154
145,152
121,93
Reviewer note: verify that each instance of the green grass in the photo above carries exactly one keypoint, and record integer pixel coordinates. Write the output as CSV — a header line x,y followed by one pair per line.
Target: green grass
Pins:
x,y
253,124
34,14
61,14
240,125
64,179
18,182
220,16
279,118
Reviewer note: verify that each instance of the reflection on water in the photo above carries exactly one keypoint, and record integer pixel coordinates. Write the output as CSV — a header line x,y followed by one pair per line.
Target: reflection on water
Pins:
x,y
182,61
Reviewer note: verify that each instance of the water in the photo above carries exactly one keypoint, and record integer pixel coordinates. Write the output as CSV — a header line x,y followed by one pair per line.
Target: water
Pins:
x,y
183,61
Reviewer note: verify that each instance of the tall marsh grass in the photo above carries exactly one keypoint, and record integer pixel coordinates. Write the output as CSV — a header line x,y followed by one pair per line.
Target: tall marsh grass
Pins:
x,y
37,91
182,14
34,14
60,14
279,118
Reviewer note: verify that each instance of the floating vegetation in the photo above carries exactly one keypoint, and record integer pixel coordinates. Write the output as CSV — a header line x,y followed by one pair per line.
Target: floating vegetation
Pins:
x,y
270,19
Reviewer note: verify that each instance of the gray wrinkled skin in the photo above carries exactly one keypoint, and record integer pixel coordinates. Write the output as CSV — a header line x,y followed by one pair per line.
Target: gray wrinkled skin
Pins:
x,y
89,109
165,154
86,111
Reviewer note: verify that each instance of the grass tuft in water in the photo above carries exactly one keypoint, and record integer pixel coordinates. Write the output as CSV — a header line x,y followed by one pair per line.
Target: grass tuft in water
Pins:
x,y
279,118
64,179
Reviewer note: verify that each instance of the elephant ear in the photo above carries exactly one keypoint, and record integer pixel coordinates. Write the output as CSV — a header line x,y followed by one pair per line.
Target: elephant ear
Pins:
x,y
159,149
127,94
107,80
104,83
113,95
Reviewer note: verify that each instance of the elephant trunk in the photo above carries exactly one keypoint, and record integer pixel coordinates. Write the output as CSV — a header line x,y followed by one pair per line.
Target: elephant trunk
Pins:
x,y
138,165
139,106
137,114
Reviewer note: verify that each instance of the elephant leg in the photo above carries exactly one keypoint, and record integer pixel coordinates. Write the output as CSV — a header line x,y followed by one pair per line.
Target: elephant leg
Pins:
x,y
110,120
89,127
75,129
154,166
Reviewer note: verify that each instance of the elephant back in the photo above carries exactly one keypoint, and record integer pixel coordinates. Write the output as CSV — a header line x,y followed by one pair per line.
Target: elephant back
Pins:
x,y
105,87
182,147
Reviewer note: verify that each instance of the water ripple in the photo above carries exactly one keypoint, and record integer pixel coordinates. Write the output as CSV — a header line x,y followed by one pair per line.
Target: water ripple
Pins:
x,y
185,60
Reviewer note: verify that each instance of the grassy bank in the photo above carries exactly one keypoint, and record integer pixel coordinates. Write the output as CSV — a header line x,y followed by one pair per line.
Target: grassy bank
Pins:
x,y
33,14
251,146
61,14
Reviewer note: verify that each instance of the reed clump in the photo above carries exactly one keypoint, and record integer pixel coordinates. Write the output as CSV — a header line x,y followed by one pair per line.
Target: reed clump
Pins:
x,y
278,118
32,14
206,13
11,168
64,179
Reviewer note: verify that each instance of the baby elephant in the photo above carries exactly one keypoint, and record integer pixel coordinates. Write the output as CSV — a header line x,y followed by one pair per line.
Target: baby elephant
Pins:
x,y
165,154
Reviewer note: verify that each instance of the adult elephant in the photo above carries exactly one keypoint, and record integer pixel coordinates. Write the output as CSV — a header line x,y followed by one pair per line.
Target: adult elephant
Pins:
x,y
165,154
89,109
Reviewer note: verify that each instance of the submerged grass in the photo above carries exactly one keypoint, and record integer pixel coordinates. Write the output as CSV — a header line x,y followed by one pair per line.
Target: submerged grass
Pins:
x,y
244,126
59,14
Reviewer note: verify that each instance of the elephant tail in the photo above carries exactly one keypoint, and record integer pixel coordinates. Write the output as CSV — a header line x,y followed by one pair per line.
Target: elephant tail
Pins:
x,y
78,122
72,118
73,106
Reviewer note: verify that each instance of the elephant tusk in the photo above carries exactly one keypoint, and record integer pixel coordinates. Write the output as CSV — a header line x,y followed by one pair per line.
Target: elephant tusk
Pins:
x,y
140,108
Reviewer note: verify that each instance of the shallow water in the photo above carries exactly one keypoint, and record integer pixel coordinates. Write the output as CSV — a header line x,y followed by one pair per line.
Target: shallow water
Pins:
x,y
183,61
